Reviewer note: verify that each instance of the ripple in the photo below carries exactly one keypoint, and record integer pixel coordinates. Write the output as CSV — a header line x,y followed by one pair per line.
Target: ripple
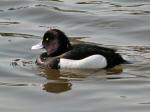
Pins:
x,y
145,103
60,9
8,23
4,34
18,8
90,2
21,62
12,84
65,10
136,5
100,2
133,12
52,0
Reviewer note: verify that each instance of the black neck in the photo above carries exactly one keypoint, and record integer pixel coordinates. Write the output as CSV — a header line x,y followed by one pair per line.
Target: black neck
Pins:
x,y
61,50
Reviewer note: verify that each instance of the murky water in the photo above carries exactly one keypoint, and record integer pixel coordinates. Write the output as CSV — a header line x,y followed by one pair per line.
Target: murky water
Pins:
x,y
120,24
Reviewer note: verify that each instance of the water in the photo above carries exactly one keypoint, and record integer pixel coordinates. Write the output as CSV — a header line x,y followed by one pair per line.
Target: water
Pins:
x,y
120,24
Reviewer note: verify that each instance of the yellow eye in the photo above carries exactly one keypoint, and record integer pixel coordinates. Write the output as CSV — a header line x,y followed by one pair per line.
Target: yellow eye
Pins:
x,y
46,39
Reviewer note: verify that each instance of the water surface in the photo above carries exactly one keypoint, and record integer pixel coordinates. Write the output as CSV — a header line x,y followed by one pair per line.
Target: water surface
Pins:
x,y
120,24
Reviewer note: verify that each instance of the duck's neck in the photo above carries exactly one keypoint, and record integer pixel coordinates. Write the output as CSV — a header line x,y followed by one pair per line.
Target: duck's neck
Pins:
x,y
61,50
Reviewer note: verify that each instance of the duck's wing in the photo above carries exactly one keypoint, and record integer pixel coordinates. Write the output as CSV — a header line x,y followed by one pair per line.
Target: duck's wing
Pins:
x,y
96,47
81,51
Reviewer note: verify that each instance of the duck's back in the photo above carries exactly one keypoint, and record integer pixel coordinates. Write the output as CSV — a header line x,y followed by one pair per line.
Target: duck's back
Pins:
x,y
81,51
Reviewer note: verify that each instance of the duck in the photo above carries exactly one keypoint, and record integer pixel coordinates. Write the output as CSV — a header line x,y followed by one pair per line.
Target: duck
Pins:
x,y
61,54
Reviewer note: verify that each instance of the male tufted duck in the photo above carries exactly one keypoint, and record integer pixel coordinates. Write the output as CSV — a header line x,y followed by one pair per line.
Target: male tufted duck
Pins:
x,y
61,54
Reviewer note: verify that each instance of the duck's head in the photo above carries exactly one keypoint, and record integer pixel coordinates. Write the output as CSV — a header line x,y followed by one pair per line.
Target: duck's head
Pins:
x,y
55,42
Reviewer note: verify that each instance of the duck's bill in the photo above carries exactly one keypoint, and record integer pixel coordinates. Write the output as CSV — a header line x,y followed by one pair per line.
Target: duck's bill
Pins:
x,y
37,46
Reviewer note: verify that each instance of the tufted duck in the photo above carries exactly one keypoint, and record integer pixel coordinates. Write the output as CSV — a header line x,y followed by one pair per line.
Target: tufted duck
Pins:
x,y
61,54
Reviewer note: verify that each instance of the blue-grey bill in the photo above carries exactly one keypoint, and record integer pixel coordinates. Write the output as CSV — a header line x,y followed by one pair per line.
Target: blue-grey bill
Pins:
x,y
37,46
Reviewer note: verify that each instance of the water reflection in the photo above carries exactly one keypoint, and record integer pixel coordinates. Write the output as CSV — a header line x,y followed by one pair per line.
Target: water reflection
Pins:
x,y
61,80
57,87
55,84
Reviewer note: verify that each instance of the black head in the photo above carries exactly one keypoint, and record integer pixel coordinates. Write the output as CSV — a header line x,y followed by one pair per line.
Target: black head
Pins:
x,y
55,42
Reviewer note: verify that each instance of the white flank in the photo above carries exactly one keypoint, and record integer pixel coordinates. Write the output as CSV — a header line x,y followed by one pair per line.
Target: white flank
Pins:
x,y
91,62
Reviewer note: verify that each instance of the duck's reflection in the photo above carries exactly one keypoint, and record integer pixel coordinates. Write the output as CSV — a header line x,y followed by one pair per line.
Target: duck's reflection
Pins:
x,y
57,87
61,80
55,84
